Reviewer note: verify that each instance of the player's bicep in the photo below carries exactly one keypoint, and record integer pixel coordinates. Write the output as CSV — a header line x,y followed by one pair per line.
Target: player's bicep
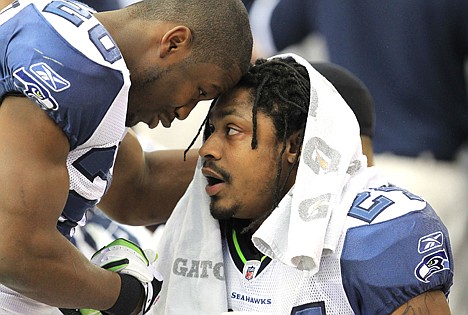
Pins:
x,y
431,302
32,167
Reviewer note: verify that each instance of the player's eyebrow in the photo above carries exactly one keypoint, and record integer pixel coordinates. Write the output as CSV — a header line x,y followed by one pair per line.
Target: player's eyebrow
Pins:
x,y
229,111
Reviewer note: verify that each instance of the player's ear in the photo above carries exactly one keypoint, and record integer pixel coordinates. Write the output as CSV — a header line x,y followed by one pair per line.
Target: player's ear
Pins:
x,y
175,41
293,146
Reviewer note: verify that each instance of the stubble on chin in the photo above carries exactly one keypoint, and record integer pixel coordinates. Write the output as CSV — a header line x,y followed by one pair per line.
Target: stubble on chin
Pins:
x,y
222,213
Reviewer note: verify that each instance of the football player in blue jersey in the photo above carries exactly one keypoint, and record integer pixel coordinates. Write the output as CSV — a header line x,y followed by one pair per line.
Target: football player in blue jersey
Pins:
x,y
72,81
306,226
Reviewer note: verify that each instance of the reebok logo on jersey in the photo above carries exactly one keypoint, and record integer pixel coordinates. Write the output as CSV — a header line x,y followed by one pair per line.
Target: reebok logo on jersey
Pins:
x,y
431,241
51,78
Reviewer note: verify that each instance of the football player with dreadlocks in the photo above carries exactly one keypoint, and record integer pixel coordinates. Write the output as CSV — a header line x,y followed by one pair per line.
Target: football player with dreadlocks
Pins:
x,y
72,83
306,226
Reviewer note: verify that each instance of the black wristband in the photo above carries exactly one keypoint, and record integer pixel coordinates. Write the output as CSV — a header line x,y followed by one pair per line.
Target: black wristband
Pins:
x,y
130,296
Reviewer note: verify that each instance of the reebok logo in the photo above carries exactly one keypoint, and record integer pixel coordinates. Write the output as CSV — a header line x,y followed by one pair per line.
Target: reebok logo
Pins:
x,y
431,241
51,78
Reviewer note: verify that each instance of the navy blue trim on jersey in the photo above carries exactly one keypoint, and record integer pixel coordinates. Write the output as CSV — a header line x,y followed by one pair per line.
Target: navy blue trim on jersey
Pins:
x,y
96,163
78,205
75,91
65,228
386,264
316,308
74,210
96,218
244,240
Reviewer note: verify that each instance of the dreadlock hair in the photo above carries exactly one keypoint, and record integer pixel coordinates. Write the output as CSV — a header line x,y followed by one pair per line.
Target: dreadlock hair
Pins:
x,y
280,89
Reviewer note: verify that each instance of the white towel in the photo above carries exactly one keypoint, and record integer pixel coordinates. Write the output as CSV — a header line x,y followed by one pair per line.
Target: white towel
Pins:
x,y
307,222
310,218
191,257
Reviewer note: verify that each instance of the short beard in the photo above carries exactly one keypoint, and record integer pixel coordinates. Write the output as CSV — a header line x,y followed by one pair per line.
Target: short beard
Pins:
x,y
220,213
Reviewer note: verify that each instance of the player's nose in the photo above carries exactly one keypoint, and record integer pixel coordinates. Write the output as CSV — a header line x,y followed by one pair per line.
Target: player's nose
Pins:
x,y
184,111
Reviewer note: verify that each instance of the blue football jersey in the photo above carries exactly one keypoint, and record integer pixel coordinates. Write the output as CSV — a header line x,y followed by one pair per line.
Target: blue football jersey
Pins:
x,y
57,54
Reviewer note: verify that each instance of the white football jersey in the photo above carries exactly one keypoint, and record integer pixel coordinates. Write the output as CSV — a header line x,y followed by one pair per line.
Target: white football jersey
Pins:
x,y
393,248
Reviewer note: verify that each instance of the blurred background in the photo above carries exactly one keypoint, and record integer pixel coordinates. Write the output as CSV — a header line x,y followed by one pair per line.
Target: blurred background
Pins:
x,y
413,57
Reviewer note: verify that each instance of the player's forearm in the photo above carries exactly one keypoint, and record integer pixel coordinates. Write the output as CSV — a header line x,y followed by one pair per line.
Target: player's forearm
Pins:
x,y
52,271
430,302
152,198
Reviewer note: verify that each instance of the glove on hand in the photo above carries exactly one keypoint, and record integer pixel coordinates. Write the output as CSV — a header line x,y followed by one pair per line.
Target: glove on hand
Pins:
x,y
126,257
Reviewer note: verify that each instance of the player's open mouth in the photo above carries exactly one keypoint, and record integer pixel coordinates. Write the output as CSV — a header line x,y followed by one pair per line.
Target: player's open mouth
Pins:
x,y
214,185
213,181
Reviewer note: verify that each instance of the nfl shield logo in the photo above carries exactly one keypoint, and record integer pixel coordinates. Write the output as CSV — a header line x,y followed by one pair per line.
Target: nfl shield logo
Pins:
x,y
249,274
251,268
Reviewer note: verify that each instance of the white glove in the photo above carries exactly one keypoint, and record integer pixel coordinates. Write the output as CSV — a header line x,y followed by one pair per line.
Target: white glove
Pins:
x,y
126,257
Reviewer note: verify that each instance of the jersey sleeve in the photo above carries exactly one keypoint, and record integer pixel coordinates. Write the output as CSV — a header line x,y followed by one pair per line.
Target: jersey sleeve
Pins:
x,y
386,264
63,71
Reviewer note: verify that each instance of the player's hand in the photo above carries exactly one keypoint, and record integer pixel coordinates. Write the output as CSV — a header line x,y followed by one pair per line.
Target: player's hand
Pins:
x,y
126,257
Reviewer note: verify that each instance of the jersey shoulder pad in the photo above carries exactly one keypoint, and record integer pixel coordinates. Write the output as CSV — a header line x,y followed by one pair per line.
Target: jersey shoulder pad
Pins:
x,y
385,264
383,203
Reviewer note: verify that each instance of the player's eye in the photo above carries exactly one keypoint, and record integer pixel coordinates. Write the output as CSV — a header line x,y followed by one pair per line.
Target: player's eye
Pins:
x,y
231,131
202,93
